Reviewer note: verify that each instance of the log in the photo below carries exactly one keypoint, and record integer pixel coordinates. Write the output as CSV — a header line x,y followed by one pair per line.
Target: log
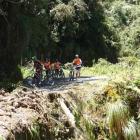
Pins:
x,y
67,112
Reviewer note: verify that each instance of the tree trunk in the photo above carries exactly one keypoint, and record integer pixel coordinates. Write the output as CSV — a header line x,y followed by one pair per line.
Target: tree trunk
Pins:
x,y
11,49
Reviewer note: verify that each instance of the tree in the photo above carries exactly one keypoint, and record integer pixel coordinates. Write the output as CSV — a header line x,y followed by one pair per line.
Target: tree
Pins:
x,y
78,26
17,19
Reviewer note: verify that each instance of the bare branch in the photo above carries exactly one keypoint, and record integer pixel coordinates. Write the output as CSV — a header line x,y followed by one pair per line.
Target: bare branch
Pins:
x,y
4,15
14,2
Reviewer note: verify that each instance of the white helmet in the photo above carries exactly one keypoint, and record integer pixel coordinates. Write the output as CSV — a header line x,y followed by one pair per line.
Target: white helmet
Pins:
x,y
76,55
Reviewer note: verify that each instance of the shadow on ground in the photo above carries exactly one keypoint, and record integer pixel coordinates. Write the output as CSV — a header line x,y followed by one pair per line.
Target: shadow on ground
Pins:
x,y
61,84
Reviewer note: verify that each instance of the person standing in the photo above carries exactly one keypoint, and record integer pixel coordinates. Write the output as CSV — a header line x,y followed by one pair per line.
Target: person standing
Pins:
x,y
38,71
57,67
77,63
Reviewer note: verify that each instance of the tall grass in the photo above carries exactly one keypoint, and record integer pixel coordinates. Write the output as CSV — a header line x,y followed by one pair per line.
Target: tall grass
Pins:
x,y
121,125
34,131
117,117
130,130
127,67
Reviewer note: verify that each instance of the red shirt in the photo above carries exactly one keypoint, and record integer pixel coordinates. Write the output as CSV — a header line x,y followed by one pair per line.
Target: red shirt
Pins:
x,y
77,61
47,65
57,65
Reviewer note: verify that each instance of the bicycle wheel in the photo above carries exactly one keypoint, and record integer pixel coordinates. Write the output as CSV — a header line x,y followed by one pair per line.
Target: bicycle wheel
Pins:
x,y
71,75
37,80
28,81
51,81
48,80
61,74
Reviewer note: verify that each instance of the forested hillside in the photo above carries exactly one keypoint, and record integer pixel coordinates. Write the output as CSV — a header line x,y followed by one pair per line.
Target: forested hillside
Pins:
x,y
61,28
70,70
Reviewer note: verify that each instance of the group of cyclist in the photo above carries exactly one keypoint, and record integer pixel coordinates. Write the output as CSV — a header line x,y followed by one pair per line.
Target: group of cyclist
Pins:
x,y
56,67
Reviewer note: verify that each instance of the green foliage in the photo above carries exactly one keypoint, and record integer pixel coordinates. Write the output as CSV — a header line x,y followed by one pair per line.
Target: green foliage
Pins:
x,y
118,115
120,123
130,61
89,129
60,28
34,131
7,85
137,82
62,12
75,24
86,125
125,69
124,18
27,71
130,130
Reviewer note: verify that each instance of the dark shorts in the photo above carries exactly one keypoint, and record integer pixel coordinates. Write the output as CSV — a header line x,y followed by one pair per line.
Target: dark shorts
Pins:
x,y
57,70
78,68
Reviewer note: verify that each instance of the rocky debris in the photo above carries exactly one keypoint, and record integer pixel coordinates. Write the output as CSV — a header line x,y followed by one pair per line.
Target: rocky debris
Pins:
x,y
23,107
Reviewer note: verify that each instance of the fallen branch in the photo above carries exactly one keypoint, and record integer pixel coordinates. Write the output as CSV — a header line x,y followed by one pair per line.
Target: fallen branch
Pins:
x,y
66,110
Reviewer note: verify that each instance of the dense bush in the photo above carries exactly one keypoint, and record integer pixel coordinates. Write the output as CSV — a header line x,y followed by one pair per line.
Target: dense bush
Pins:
x,y
123,18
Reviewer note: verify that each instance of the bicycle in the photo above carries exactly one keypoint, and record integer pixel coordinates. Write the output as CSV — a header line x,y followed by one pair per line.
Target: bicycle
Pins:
x,y
48,79
58,74
71,72
61,74
33,80
37,79
71,75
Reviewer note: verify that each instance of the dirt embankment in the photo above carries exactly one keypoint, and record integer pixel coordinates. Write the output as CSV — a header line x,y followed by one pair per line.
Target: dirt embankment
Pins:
x,y
45,114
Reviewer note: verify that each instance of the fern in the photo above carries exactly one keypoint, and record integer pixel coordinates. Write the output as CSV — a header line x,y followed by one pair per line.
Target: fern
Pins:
x,y
118,115
130,130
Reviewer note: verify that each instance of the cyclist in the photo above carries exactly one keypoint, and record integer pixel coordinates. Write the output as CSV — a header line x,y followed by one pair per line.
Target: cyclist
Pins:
x,y
38,70
47,66
77,63
57,67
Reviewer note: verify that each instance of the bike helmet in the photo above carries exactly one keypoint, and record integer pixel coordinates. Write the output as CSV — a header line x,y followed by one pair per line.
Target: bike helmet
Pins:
x,y
76,55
